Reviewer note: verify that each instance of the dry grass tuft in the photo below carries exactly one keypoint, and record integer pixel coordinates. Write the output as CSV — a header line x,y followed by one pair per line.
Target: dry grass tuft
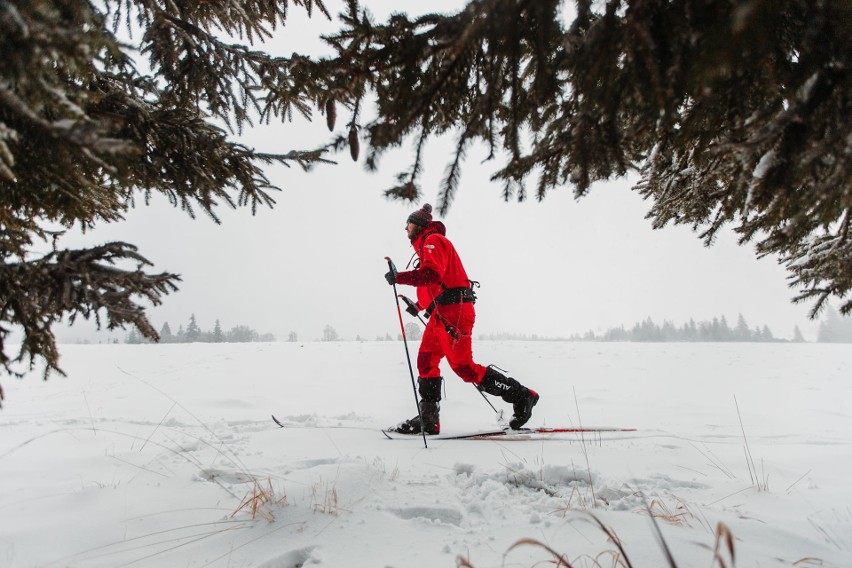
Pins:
x,y
723,551
381,467
679,517
257,500
324,498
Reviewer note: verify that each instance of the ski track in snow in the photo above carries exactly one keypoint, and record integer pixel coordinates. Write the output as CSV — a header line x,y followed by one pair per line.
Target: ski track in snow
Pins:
x,y
138,459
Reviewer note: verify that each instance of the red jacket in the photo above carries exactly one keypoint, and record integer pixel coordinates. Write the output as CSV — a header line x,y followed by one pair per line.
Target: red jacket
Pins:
x,y
438,257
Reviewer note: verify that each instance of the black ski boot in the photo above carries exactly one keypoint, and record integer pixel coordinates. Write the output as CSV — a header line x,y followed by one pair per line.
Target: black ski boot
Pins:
x,y
520,397
430,396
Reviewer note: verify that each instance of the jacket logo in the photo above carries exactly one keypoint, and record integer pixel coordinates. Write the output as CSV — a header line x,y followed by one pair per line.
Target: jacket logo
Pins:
x,y
430,247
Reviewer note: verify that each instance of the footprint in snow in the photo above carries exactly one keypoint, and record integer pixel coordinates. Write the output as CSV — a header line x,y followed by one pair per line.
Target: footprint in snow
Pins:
x,y
213,474
294,559
308,464
434,514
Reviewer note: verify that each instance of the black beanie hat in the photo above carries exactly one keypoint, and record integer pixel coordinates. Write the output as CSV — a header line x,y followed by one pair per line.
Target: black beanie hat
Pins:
x,y
422,216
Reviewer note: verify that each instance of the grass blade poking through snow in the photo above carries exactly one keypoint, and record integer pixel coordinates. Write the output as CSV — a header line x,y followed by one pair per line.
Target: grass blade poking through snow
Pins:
x,y
722,532
585,451
663,544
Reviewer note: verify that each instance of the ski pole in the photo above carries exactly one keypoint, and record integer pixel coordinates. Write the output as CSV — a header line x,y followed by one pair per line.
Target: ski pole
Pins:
x,y
407,355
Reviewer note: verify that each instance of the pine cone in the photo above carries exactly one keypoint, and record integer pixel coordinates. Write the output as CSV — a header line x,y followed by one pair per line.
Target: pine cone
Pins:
x,y
330,114
354,145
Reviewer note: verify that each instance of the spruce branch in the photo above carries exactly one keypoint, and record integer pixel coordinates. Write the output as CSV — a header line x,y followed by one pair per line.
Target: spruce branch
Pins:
x,y
88,283
84,135
451,179
732,115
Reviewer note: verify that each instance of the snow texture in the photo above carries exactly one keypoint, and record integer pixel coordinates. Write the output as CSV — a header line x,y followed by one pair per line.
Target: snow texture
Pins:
x,y
162,456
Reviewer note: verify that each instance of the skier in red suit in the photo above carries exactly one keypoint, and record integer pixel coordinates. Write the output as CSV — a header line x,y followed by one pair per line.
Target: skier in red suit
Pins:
x,y
445,292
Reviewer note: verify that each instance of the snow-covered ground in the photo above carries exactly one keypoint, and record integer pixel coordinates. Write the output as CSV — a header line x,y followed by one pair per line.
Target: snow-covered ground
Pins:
x,y
149,455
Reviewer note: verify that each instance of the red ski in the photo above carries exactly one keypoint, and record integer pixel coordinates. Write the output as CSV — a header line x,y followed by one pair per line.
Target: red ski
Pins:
x,y
507,434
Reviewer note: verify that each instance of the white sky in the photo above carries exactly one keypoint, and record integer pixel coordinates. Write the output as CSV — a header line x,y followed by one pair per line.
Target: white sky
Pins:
x,y
554,268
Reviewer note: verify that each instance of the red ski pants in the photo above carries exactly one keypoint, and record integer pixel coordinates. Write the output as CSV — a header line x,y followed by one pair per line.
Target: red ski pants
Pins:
x,y
438,343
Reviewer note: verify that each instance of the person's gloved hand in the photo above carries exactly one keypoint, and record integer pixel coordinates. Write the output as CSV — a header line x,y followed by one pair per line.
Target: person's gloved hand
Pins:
x,y
411,306
391,276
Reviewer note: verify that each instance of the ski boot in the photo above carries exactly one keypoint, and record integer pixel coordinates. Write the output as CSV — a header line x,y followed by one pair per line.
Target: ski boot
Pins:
x,y
520,397
430,396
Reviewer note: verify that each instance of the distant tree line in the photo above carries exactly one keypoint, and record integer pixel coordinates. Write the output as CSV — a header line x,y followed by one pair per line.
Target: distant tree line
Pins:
x,y
413,331
715,330
509,336
833,329
194,334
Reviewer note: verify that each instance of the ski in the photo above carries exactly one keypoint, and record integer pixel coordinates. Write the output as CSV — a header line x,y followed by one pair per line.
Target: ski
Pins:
x,y
507,434
502,434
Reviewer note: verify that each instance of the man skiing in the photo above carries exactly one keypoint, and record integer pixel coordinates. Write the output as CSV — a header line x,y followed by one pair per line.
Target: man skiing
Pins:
x,y
445,292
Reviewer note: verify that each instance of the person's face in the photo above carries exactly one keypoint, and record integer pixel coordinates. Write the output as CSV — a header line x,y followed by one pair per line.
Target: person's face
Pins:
x,y
411,230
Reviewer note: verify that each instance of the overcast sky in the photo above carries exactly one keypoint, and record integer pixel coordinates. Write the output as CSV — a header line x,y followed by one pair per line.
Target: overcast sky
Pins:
x,y
555,268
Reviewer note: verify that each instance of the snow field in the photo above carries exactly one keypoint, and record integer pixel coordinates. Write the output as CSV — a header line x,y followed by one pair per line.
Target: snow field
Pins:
x,y
155,455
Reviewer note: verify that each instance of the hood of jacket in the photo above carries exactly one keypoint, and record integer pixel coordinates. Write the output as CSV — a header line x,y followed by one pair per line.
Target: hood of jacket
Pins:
x,y
432,227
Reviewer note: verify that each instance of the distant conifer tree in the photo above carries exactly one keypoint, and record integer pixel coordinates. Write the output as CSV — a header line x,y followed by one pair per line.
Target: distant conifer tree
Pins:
x,y
166,333
742,331
834,328
193,332
134,337
218,334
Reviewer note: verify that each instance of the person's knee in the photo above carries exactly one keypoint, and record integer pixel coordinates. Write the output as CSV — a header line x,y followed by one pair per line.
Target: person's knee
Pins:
x,y
426,366
467,373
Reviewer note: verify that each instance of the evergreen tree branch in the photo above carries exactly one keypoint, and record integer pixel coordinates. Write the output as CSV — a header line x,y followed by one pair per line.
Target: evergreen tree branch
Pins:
x,y
733,114
84,135
36,294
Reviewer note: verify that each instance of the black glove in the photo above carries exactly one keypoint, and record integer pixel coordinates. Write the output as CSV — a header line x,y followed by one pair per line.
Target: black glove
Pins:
x,y
391,276
411,305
